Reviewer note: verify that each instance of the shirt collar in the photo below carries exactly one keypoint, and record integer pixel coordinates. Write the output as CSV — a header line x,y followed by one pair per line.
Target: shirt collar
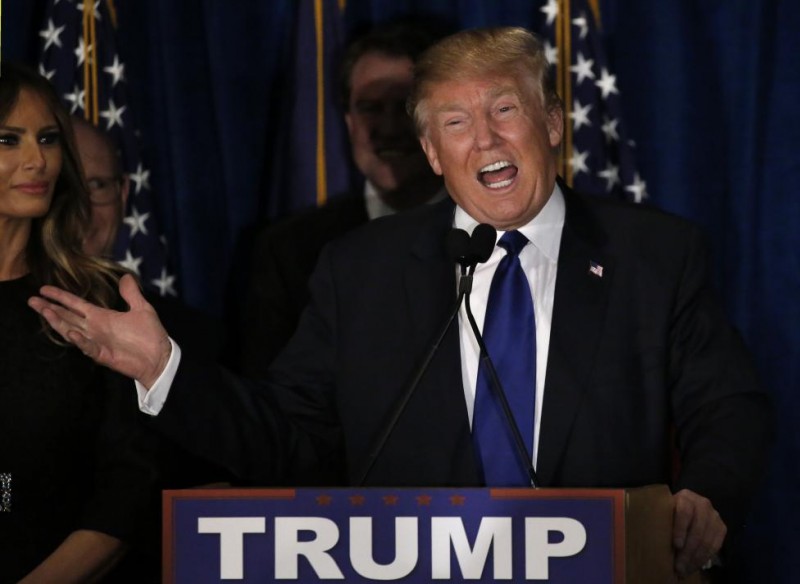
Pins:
x,y
543,231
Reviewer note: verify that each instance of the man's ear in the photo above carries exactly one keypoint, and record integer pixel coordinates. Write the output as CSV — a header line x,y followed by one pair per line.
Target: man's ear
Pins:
x,y
430,152
348,121
555,126
125,191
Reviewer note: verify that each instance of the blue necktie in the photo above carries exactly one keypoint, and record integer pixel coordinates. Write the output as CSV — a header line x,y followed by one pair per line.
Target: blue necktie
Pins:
x,y
509,332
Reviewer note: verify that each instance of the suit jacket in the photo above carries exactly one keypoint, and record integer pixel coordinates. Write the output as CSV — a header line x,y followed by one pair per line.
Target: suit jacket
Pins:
x,y
284,255
636,357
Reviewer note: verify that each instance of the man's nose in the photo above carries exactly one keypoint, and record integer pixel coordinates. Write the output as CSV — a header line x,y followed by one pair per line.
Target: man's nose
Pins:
x,y
485,136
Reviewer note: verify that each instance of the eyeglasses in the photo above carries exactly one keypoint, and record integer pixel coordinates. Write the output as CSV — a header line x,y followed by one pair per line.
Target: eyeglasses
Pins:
x,y
104,190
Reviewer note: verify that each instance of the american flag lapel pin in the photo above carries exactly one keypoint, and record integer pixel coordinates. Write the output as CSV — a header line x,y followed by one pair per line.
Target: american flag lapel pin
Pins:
x,y
595,269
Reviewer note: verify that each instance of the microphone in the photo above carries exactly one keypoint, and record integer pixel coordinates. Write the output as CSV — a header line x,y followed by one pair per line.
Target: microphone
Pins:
x,y
467,252
481,245
487,237
470,251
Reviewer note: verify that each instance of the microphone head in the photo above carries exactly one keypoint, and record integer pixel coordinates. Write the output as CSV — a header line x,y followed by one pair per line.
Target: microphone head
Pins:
x,y
482,243
457,244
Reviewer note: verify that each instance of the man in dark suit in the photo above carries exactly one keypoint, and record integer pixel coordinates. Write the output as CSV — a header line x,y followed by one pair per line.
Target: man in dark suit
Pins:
x,y
631,347
376,78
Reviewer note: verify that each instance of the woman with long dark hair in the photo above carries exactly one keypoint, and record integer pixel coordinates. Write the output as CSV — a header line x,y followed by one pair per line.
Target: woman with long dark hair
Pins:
x,y
72,484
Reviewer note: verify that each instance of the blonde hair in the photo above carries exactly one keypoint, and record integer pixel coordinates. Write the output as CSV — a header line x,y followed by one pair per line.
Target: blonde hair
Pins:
x,y
475,53
54,253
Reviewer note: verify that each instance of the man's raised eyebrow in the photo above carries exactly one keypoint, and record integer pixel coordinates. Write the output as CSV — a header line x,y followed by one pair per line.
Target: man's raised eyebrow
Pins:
x,y
446,108
503,90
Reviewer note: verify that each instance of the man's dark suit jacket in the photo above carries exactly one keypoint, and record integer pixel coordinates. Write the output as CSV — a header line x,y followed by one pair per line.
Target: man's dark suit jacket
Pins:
x,y
284,255
640,359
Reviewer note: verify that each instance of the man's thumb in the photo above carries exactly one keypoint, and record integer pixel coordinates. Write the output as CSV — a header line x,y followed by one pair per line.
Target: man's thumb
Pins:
x,y
129,289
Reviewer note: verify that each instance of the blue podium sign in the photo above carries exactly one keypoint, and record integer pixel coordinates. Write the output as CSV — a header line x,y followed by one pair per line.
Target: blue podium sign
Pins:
x,y
394,535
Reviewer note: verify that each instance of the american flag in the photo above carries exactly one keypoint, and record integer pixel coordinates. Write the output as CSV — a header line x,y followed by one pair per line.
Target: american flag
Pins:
x,y
597,155
80,58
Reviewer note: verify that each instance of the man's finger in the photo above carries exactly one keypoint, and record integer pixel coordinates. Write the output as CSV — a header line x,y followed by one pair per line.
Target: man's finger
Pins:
x,y
682,519
696,550
74,303
62,319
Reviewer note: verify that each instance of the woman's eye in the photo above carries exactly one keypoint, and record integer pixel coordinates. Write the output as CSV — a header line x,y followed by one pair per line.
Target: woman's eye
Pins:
x,y
50,138
9,139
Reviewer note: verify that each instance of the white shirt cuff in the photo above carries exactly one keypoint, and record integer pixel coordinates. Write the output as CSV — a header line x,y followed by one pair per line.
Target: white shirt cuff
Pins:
x,y
151,401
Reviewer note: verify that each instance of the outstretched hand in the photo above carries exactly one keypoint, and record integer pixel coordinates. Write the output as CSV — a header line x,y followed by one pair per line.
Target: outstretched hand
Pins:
x,y
133,343
697,533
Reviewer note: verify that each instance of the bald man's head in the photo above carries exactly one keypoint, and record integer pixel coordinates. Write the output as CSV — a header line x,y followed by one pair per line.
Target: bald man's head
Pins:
x,y
108,187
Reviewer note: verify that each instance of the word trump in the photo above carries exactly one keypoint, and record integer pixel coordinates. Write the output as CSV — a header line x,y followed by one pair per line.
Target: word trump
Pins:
x,y
313,539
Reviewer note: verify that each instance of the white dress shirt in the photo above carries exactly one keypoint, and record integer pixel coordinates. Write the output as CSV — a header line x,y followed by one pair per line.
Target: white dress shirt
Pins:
x,y
539,260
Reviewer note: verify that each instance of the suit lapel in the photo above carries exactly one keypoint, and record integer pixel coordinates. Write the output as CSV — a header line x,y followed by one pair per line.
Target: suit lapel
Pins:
x,y
429,278
581,295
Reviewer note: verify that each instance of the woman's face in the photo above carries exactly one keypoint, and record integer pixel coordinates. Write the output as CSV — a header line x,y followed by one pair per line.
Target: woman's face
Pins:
x,y
30,158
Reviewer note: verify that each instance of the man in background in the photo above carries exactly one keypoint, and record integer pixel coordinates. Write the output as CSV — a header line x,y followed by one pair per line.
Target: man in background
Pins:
x,y
108,196
376,78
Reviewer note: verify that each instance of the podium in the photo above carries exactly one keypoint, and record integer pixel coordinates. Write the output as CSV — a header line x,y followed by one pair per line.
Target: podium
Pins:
x,y
418,535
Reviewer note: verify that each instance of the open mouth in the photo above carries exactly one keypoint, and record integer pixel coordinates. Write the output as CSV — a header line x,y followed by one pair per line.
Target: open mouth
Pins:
x,y
497,175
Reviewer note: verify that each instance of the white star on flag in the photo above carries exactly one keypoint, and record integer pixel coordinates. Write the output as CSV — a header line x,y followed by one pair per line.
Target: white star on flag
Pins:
x,y
578,161
96,9
607,83
116,70
580,115
582,24
551,10
113,115
140,178
77,99
165,284
550,53
638,188
136,222
45,73
611,176
131,263
609,128
51,35
583,68
83,51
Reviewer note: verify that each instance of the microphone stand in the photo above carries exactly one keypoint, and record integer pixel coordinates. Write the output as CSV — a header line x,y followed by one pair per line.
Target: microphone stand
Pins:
x,y
464,287
500,394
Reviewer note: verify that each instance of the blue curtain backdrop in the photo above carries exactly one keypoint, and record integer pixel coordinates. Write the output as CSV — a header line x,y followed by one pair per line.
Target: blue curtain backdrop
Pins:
x,y
710,92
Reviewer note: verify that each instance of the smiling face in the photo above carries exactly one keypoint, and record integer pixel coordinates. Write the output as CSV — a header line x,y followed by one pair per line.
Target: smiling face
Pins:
x,y
494,143
384,144
30,158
